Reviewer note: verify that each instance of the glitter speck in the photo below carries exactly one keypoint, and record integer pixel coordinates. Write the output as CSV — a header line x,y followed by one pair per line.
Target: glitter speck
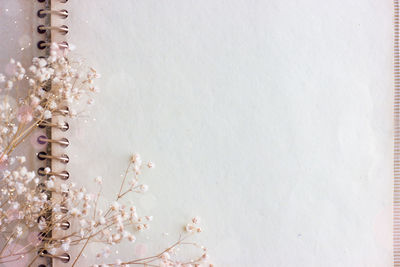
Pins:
x,y
6,9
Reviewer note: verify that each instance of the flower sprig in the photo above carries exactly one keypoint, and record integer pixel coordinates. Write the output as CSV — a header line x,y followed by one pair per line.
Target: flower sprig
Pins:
x,y
30,97
52,83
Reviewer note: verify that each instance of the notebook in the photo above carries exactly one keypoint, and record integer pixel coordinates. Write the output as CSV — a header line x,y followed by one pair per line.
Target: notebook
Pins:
x,y
272,121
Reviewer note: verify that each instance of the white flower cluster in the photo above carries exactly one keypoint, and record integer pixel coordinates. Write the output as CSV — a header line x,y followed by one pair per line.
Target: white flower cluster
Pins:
x,y
20,186
52,83
23,202
52,86
193,226
111,225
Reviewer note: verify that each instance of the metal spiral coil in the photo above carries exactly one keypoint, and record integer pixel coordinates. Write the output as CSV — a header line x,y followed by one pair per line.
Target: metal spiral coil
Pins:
x,y
46,31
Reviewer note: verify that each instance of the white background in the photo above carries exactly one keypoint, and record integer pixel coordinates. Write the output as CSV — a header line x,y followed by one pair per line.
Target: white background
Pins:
x,y
272,120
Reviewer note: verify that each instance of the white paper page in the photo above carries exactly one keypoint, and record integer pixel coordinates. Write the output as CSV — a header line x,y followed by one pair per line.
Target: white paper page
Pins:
x,y
271,120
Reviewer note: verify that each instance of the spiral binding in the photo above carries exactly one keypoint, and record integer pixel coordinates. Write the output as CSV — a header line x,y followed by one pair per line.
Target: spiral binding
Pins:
x,y
42,29
46,29
42,139
64,175
63,29
63,257
44,12
64,126
62,158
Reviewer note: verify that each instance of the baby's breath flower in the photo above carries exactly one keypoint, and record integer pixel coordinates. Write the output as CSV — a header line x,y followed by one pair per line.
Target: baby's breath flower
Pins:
x,y
65,245
9,85
115,205
21,159
18,231
131,238
165,256
135,158
74,212
47,114
143,188
102,220
98,180
195,220
189,228
25,202
150,165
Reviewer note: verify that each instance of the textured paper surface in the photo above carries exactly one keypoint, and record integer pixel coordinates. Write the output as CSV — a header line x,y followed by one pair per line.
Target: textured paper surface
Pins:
x,y
272,120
